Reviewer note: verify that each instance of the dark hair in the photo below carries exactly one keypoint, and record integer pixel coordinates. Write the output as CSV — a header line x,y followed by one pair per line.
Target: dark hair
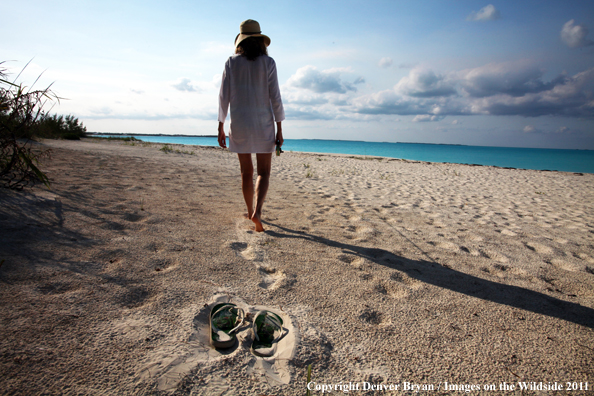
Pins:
x,y
252,47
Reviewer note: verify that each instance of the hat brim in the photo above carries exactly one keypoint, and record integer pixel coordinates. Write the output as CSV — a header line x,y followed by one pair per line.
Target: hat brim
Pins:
x,y
240,37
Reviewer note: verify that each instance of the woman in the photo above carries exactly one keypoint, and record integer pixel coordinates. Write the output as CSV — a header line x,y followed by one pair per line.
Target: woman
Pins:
x,y
250,88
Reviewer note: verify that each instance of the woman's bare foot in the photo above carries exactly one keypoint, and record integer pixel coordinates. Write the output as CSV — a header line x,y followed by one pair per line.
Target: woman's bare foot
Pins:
x,y
257,222
247,216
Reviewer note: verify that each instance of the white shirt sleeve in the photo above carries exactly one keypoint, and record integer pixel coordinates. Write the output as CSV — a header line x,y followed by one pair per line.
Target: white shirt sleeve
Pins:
x,y
274,93
224,94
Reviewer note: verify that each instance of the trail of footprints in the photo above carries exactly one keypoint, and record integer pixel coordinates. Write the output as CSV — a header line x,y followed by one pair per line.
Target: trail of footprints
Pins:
x,y
250,248
462,242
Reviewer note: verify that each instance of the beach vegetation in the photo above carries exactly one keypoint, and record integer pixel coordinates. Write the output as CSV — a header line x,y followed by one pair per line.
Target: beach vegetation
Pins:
x,y
309,174
59,127
118,138
21,109
166,148
306,166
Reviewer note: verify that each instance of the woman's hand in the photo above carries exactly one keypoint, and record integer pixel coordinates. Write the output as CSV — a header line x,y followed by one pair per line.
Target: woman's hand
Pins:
x,y
222,137
279,134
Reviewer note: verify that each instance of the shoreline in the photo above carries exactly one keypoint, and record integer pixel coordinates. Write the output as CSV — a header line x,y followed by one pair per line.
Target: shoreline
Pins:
x,y
582,169
387,271
375,157
335,140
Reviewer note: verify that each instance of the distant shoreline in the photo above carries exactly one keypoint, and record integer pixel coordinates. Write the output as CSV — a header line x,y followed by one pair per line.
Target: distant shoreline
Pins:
x,y
145,134
214,136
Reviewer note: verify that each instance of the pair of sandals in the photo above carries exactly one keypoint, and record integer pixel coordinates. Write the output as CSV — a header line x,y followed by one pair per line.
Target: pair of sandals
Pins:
x,y
226,319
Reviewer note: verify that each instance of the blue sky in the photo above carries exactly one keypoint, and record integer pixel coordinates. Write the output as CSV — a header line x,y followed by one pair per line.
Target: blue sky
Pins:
x,y
507,73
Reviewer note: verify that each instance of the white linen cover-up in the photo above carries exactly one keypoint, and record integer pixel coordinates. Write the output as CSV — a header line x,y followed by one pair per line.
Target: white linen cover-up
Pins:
x,y
251,89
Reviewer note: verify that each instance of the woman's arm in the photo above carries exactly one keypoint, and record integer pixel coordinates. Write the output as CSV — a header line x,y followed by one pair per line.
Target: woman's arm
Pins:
x,y
279,133
222,137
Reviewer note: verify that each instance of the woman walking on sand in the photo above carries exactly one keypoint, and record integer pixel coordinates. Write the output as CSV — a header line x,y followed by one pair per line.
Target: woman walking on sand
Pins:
x,y
250,88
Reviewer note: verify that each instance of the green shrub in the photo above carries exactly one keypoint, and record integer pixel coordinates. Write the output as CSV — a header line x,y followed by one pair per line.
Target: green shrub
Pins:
x,y
59,127
20,109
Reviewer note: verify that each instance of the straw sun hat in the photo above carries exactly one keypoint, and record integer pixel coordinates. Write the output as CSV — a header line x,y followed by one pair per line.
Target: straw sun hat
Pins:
x,y
250,28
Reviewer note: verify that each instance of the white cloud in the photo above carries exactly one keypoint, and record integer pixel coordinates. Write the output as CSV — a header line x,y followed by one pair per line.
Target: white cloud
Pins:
x,y
137,91
425,83
185,85
309,77
427,118
303,97
487,13
384,63
575,35
456,122
510,78
563,130
529,129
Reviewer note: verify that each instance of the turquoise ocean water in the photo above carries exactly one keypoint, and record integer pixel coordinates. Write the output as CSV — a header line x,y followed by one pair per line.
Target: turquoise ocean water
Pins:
x,y
523,158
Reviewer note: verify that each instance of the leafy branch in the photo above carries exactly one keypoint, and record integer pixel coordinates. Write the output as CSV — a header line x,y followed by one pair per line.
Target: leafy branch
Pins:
x,y
20,109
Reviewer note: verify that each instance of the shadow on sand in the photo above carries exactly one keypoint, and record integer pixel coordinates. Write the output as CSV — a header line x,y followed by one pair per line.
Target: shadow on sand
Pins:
x,y
437,275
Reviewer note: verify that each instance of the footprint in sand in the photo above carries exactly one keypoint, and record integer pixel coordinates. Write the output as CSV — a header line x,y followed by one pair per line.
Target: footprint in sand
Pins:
x,y
272,278
366,232
585,257
347,258
252,254
163,265
495,256
400,278
565,265
452,247
373,317
238,246
539,248
501,270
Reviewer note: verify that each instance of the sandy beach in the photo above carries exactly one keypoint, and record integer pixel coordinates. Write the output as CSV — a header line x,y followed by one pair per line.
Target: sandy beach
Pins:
x,y
386,272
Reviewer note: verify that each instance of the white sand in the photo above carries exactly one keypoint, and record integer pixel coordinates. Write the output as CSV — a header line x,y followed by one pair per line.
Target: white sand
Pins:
x,y
386,271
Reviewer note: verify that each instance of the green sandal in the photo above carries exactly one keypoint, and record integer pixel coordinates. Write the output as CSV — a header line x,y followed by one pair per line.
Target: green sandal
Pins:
x,y
268,330
225,320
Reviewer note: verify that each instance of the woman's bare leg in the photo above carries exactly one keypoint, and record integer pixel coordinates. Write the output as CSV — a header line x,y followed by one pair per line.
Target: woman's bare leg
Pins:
x,y
247,181
264,163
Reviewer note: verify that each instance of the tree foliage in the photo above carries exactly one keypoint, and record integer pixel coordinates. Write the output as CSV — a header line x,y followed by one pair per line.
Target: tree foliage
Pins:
x,y
20,109
59,127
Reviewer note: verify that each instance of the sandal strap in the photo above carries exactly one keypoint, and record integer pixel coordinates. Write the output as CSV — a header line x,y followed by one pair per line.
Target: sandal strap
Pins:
x,y
240,317
273,320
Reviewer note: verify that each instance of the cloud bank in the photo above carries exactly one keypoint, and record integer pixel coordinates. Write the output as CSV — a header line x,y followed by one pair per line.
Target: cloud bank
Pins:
x,y
511,88
494,89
